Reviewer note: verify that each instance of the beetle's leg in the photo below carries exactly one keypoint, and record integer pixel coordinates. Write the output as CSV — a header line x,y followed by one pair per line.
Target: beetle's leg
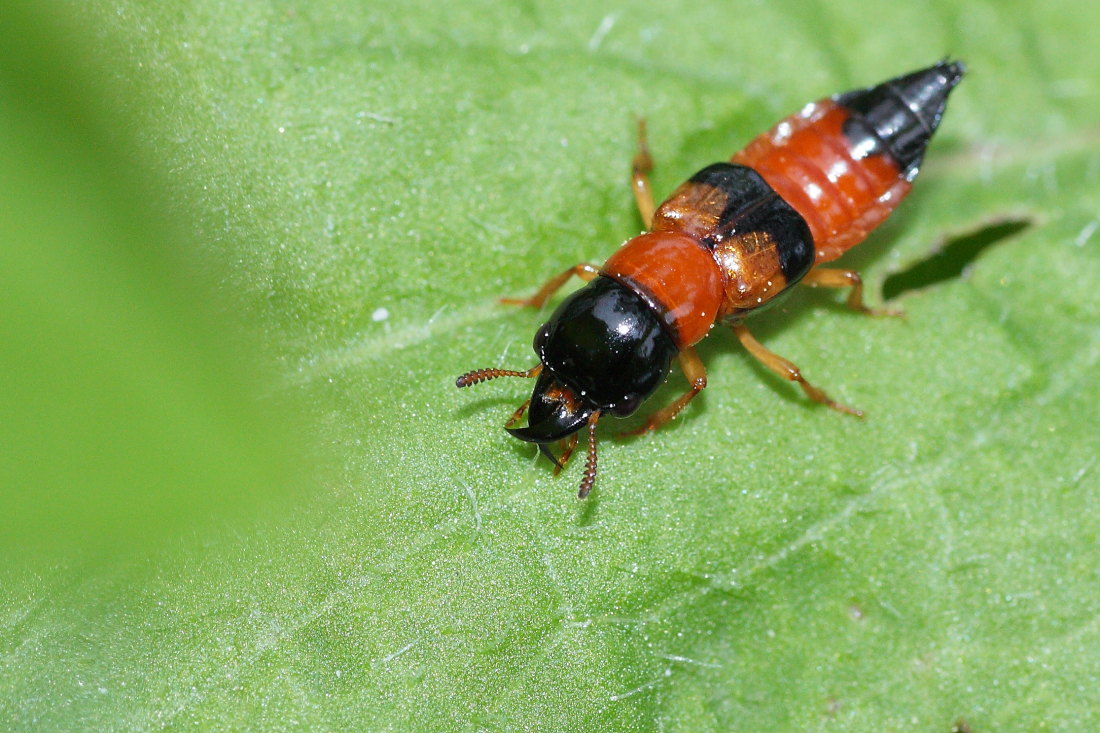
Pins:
x,y
696,373
787,370
570,444
517,414
639,177
584,271
827,277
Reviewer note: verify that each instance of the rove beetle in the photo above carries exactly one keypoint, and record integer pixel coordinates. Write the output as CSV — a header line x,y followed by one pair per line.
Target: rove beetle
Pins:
x,y
725,244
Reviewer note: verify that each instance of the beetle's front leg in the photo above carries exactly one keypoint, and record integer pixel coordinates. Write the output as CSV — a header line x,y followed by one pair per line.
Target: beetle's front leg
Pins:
x,y
584,271
639,177
696,374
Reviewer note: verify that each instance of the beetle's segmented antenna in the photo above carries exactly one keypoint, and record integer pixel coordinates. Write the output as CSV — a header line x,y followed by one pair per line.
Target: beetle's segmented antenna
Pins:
x,y
483,375
590,463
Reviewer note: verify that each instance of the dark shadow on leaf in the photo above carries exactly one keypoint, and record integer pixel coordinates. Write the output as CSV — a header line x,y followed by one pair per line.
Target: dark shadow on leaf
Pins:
x,y
588,513
952,258
496,409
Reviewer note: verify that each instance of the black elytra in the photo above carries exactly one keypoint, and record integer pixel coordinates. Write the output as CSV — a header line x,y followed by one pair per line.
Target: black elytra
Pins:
x,y
753,206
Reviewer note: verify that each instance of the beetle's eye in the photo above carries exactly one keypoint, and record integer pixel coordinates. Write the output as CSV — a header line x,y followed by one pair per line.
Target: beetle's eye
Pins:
x,y
627,405
540,338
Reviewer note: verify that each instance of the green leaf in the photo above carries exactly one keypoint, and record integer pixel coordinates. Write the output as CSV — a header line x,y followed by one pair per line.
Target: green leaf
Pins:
x,y
359,185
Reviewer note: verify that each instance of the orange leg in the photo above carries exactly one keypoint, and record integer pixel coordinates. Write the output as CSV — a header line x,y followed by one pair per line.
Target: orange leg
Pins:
x,y
517,414
642,165
696,373
583,271
787,370
570,445
826,277
643,195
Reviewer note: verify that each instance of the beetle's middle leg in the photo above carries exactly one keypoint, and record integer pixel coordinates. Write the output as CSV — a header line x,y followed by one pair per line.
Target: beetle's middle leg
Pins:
x,y
696,374
643,195
787,370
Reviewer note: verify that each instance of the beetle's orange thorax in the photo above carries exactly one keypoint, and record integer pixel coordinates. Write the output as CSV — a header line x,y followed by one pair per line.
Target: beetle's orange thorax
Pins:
x,y
677,275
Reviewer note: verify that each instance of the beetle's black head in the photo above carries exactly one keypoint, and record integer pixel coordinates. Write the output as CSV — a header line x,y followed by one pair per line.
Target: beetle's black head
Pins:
x,y
604,350
608,344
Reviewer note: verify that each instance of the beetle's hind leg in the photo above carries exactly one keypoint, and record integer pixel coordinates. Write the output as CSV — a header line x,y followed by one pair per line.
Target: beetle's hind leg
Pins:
x,y
639,177
787,370
828,277
696,374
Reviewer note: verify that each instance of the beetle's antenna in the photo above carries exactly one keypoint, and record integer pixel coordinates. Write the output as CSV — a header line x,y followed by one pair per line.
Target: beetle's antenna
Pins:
x,y
590,463
482,375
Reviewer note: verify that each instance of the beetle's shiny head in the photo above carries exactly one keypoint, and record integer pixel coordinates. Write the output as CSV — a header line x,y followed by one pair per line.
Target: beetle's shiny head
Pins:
x,y
604,350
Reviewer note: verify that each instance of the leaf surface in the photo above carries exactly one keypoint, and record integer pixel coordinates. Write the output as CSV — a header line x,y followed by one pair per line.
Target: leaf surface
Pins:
x,y
363,183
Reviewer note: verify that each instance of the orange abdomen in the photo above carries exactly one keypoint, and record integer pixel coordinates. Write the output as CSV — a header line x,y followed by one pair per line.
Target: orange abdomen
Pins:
x,y
840,188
